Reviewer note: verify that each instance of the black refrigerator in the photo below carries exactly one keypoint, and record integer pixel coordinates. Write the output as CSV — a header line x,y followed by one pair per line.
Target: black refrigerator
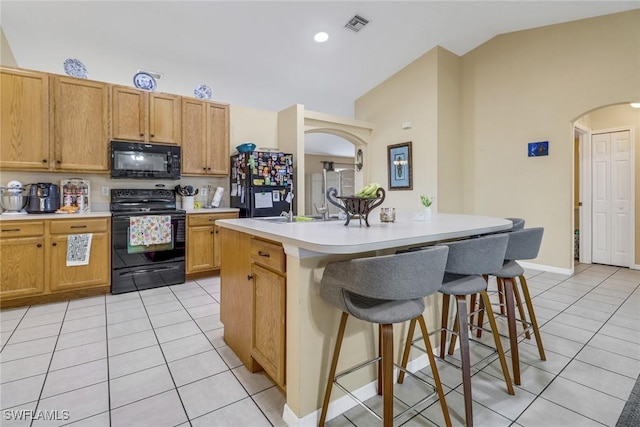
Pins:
x,y
261,182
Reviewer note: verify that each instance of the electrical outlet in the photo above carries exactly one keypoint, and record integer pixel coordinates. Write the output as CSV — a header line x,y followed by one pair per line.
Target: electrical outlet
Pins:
x,y
105,190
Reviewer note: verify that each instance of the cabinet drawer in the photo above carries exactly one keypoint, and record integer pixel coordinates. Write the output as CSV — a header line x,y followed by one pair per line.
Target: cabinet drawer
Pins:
x,y
208,219
21,229
79,226
268,254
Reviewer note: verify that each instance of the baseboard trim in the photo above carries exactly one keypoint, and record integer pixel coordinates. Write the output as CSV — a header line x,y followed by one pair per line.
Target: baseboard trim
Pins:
x,y
547,268
344,403
635,267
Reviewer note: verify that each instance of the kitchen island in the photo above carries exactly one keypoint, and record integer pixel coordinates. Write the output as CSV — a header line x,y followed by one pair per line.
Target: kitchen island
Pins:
x,y
307,325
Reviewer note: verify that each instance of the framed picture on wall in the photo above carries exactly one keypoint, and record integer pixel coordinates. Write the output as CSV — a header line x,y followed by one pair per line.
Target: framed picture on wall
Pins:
x,y
400,169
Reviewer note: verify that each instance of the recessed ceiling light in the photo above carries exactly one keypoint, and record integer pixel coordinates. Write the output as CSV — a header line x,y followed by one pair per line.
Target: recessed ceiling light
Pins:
x,y
321,37
635,104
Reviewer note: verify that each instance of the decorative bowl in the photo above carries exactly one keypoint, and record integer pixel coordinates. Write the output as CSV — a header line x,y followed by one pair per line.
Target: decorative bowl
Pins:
x,y
246,147
354,206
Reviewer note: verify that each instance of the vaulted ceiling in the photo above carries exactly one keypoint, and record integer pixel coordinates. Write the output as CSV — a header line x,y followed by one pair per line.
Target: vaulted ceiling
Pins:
x,y
262,53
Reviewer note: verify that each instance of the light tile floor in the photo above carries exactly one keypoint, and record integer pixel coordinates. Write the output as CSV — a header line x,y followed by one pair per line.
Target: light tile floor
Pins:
x,y
158,358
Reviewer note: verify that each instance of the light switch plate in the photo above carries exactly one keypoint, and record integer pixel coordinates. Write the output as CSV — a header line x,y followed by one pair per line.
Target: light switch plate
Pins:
x,y
105,190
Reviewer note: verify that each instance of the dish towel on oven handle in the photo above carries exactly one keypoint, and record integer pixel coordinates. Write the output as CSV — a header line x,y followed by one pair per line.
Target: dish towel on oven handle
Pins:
x,y
78,249
148,230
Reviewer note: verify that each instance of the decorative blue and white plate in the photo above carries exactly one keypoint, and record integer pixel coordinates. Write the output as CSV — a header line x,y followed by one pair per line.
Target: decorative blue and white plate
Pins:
x,y
74,68
203,92
144,81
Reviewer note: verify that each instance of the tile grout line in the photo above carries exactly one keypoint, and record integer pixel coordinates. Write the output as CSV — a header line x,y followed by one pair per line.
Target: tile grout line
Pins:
x,y
53,352
223,360
165,361
539,395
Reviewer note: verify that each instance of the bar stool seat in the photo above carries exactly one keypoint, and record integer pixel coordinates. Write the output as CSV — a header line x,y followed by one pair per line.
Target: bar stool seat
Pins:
x,y
384,290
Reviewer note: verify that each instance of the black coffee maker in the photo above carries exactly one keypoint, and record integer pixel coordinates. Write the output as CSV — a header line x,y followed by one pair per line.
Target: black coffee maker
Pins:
x,y
44,197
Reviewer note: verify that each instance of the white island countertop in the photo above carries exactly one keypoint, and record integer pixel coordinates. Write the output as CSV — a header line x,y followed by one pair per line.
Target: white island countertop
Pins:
x,y
303,239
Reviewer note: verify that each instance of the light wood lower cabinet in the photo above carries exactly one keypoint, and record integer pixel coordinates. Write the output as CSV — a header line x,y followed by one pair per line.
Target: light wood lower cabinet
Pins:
x,y
96,272
22,259
203,243
236,295
269,302
33,260
253,302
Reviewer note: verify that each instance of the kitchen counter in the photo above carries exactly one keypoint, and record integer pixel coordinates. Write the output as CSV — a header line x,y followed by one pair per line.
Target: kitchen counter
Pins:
x,y
211,210
311,324
304,239
28,217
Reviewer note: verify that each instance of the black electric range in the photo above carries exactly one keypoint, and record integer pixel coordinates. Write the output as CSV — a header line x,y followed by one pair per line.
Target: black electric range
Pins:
x,y
148,239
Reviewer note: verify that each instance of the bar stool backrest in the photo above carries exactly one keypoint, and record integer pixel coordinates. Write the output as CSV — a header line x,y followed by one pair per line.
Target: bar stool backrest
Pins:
x,y
402,276
484,255
524,244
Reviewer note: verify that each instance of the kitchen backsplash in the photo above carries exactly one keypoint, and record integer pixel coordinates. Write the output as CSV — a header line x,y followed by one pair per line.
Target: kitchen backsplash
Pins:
x,y
100,202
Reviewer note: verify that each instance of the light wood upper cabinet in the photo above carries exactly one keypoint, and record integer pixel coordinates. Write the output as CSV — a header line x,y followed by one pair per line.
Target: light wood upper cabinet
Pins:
x,y
164,118
205,138
145,116
80,126
24,111
128,113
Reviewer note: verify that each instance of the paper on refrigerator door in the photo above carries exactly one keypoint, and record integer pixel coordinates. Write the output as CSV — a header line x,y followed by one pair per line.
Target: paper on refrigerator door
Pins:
x,y
263,200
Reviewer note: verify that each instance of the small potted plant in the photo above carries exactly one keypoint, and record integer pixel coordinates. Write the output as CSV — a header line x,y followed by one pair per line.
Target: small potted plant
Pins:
x,y
427,201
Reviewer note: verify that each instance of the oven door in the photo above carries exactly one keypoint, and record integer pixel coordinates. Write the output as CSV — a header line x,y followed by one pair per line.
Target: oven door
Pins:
x,y
136,266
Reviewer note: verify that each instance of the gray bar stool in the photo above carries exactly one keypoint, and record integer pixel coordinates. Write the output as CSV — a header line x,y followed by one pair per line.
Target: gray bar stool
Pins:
x,y
384,290
518,224
467,262
523,244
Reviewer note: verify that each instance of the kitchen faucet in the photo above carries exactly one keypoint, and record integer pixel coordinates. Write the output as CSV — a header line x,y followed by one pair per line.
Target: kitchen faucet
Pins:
x,y
290,200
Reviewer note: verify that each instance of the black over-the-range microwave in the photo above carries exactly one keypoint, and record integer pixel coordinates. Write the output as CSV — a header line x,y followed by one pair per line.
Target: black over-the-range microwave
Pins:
x,y
145,161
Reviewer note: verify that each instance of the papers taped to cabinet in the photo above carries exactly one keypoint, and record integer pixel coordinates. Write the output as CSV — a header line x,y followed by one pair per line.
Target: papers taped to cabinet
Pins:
x,y
78,249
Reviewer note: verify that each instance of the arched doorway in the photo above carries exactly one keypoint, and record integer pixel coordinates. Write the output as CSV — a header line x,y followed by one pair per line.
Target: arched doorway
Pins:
x,y
606,186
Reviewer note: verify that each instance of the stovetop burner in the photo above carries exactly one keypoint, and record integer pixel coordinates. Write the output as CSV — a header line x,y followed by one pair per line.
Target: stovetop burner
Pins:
x,y
157,201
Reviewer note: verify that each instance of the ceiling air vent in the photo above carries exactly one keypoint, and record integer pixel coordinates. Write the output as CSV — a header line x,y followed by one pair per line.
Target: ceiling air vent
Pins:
x,y
356,23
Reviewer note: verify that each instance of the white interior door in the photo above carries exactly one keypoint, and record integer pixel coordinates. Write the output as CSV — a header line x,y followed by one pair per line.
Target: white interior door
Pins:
x,y
611,198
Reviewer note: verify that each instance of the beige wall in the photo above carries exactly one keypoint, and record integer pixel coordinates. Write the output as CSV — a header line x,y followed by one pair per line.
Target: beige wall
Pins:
x,y
6,54
253,125
516,88
409,95
529,86
615,117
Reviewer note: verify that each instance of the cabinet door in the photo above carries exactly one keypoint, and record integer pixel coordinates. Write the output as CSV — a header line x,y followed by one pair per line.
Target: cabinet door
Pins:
x,y
200,251
218,139
217,246
128,111
236,293
24,111
269,336
164,118
21,267
194,145
96,273
80,125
